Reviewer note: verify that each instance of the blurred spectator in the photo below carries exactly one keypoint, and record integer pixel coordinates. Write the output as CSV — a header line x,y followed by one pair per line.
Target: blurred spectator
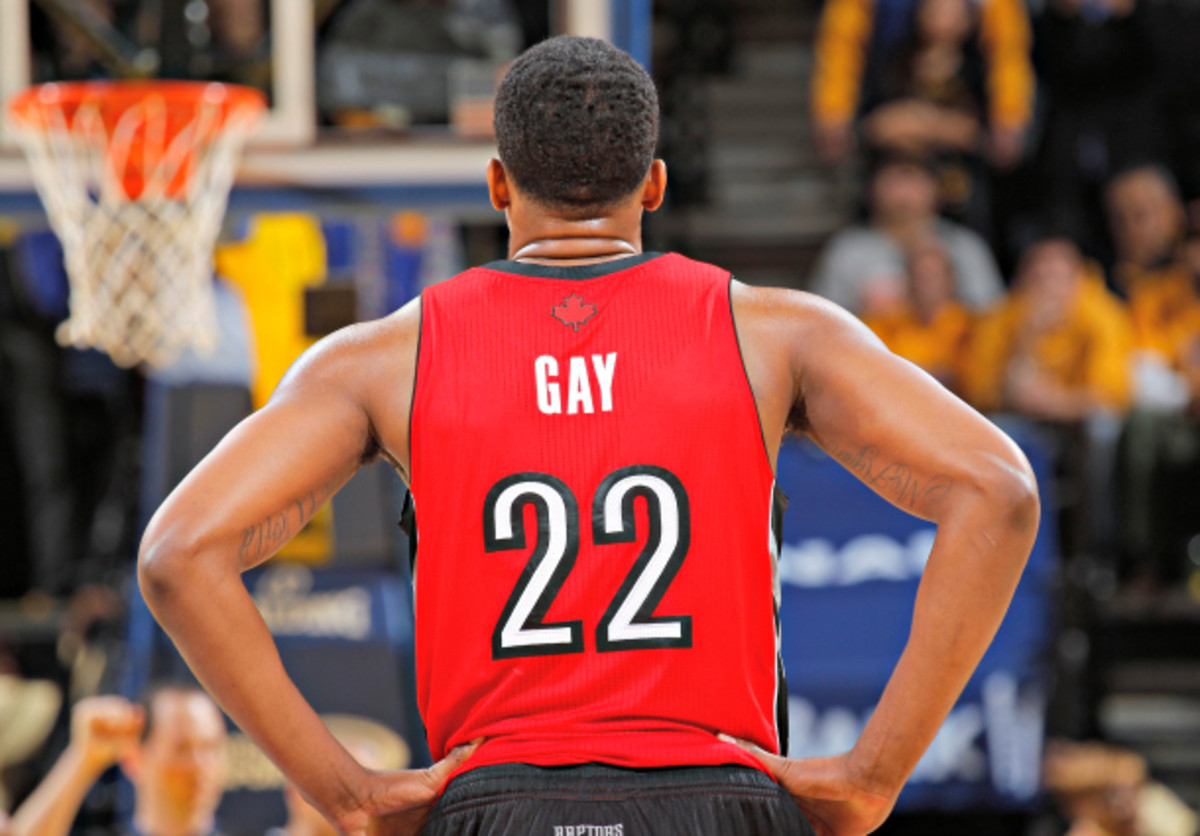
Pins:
x,y
104,731
1160,456
929,326
177,770
929,89
1058,347
926,96
1190,356
1148,222
1183,96
856,34
1104,76
903,211
1104,791
1096,787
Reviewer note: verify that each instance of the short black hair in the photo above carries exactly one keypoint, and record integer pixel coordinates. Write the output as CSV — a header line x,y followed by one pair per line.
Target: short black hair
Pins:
x,y
577,124
1049,238
1158,170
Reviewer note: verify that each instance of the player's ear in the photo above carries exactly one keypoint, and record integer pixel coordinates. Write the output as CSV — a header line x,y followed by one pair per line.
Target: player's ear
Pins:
x,y
497,180
654,189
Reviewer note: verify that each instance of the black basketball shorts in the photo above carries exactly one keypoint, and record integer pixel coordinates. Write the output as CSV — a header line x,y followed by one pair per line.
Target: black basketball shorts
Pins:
x,y
597,800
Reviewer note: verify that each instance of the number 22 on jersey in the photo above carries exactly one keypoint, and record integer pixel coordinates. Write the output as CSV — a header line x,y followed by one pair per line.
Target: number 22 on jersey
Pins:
x,y
629,622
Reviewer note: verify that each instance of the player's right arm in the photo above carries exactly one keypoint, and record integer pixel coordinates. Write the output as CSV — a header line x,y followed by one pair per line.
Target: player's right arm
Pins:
x,y
342,403
921,448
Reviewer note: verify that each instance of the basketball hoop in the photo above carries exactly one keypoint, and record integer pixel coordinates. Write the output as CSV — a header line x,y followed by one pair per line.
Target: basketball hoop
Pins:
x,y
134,177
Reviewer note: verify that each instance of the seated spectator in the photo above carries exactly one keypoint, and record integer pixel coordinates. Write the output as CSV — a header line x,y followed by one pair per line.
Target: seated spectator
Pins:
x,y
1181,62
1058,347
177,767
1190,349
856,34
1148,220
928,326
903,211
1103,73
929,90
927,97
1160,451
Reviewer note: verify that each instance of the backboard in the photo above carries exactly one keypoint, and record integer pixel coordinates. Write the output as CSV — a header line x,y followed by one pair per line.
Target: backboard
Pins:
x,y
266,44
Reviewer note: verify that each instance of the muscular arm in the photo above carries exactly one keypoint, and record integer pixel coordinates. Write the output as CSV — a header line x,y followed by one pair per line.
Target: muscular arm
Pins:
x,y
925,451
260,485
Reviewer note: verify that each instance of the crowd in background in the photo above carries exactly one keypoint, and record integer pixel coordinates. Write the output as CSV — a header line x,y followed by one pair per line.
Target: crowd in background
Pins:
x,y
172,749
1031,233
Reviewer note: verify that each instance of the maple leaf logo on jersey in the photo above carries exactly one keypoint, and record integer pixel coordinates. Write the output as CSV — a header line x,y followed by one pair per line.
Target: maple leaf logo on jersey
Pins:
x,y
573,311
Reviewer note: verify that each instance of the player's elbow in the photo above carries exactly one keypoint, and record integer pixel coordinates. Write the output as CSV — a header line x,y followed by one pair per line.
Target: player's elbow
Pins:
x,y
165,560
1009,490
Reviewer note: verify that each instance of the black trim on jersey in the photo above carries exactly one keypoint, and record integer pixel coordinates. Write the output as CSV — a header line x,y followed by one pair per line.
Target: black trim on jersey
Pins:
x,y
779,504
493,543
408,524
746,373
576,272
628,534
781,702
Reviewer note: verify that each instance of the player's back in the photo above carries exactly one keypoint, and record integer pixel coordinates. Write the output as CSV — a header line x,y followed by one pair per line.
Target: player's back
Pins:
x,y
594,579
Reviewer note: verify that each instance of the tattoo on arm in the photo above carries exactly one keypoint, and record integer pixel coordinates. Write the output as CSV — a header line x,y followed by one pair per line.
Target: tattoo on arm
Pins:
x,y
261,540
895,480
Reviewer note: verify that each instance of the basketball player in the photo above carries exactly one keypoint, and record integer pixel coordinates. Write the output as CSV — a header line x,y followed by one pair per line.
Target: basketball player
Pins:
x,y
589,432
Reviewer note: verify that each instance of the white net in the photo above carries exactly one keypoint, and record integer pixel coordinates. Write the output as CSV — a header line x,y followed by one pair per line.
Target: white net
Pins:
x,y
135,188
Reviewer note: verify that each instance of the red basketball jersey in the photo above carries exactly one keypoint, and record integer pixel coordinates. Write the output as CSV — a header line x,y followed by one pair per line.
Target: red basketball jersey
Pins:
x,y
594,504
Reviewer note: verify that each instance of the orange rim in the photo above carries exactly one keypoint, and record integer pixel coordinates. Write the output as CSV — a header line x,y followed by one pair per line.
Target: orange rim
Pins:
x,y
46,107
113,98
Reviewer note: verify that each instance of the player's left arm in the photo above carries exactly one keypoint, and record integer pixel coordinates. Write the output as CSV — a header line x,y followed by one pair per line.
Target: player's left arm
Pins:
x,y
926,451
248,497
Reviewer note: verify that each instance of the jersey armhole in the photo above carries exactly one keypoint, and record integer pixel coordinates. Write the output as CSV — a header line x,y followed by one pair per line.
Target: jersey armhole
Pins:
x,y
746,376
412,403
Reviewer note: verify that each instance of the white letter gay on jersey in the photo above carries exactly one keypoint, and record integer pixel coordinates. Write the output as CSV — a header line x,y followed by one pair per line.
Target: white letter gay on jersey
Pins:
x,y
580,398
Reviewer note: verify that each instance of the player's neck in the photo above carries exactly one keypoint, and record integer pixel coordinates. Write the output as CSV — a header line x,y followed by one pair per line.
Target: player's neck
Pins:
x,y
565,252
539,236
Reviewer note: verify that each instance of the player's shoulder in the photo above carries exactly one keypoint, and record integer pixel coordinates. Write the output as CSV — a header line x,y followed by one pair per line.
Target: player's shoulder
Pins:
x,y
795,310
357,357
811,332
